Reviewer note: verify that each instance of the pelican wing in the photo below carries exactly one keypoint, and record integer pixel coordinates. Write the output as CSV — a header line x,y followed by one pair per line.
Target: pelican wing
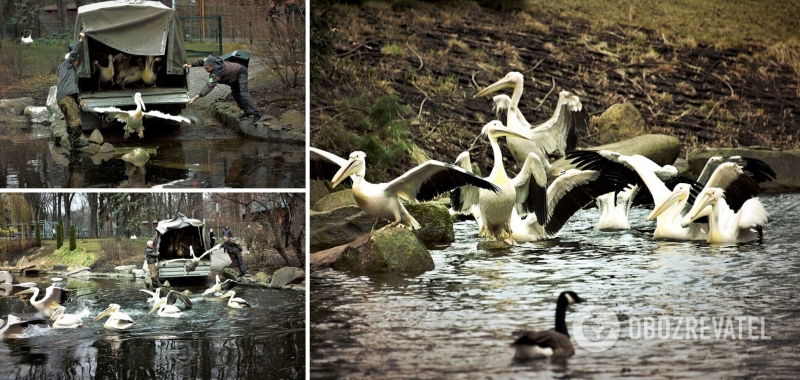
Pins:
x,y
502,103
174,298
737,185
113,113
167,116
531,186
463,198
759,170
560,133
57,295
575,189
431,178
324,165
752,214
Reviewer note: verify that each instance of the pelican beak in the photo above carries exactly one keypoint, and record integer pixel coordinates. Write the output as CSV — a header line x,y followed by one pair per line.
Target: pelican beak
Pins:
x,y
346,171
505,132
673,198
156,306
59,311
697,210
499,85
26,291
102,315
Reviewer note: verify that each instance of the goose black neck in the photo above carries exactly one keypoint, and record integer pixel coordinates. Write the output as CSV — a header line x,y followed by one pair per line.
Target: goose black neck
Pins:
x,y
561,313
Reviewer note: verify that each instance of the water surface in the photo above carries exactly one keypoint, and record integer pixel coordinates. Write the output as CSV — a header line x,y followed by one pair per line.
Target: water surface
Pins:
x,y
457,321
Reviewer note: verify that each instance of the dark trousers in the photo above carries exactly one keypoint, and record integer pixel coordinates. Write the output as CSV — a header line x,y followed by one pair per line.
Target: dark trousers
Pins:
x,y
239,261
241,94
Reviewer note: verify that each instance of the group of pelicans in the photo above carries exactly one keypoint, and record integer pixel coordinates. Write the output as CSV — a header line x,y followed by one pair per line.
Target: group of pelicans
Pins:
x,y
123,69
173,304
719,207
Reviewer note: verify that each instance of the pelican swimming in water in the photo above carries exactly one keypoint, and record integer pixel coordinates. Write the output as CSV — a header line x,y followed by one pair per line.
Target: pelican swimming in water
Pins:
x,y
382,200
133,119
65,321
52,299
724,225
219,287
525,192
549,343
13,327
553,137
565,196
191,264
233,301
167,306
155,296
116,319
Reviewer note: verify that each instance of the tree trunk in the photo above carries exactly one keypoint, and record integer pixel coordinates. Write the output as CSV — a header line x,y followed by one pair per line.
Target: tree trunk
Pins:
x,y
93,206
67,210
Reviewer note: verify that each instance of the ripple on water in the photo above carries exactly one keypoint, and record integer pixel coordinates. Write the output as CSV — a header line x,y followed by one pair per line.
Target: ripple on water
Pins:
x,y
457,320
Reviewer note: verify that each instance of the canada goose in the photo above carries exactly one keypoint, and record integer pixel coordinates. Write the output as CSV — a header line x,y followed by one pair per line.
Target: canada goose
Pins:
x,y
540,344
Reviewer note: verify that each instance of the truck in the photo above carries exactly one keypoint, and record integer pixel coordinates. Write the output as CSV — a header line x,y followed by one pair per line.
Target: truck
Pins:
x,y
126,37
172,241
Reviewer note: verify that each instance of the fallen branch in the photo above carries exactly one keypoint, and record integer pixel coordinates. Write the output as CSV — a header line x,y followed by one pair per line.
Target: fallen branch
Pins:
x,y
418,57
548,94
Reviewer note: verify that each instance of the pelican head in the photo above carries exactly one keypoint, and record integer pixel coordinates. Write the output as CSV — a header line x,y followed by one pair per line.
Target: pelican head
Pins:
x,y
137,98
158,305
708,197
356,165
112,308
511,80
679,193
57,313
495,129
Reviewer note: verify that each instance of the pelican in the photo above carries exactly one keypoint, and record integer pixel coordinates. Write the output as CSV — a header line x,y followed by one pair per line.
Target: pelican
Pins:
x,y
116,319
526,192
106,73
422,183
167,307
219,287
647,174
324,166
565,196
194,261
154,296
542,344
133,119
130,74
65,321
235,302
148,74
724,225
52,299
13,326
550,138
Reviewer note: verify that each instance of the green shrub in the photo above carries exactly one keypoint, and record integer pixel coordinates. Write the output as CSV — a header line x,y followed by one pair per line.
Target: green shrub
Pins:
x,y
72,241
59,234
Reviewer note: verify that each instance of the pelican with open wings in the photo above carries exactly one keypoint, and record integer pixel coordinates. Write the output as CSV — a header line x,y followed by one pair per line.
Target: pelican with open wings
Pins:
x,y
191,264
382,200
525,192
168,306
554,136
133,119
218,287
52,299
725,225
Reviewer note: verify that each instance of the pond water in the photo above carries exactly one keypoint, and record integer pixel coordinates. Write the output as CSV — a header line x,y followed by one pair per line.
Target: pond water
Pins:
x,y
30,160
457,321
211,341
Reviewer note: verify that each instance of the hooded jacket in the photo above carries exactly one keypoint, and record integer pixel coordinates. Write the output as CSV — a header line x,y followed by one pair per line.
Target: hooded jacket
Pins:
x,y
223,72
67,75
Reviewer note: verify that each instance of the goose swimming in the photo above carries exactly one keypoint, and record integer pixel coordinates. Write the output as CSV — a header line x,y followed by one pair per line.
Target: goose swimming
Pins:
x,y
133,119
725,225
554,136
543,344
525,192
421,183
116,319
167,306
65,321
219,287
52,299
233,301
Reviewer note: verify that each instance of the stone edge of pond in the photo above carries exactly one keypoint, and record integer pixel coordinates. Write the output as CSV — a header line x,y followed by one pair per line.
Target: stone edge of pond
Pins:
x,y
285,129
131,276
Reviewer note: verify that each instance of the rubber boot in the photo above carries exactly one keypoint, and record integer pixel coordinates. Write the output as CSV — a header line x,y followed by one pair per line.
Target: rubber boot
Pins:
x,y
75,141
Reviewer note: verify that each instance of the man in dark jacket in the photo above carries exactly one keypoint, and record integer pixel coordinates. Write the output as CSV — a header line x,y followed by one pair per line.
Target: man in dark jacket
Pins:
x,y
226,232
212,236
234,250
152,257
235,76
67,95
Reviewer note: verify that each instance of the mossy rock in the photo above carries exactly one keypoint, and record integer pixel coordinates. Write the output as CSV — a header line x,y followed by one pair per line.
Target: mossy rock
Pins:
x,y
392,250
620,121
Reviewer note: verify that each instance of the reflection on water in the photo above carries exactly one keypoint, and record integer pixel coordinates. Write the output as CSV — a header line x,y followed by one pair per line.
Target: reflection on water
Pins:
x,y
28,159
210,341
457,320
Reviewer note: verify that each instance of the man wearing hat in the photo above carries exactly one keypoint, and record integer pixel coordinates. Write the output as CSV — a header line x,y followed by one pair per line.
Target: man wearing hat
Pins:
x,y
67,94
232,74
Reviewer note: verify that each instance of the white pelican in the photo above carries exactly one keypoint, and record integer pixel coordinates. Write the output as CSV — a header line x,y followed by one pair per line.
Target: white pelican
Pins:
x,y
13,326
191,264
235,302
647,174
219,287
167,307
116,319
614,208
133,119
724,225
525,192
154,296
106,73
381,200
65,321
565,196
53,298
543,344
130,74
148,74
550,138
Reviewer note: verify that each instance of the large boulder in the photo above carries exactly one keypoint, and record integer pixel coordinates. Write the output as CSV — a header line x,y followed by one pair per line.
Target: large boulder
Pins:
x,y
662,149
37,115
96,137
14,106
317,190
618,122
392,250
137,157
437,225
52,105
781,161
335,200
286,276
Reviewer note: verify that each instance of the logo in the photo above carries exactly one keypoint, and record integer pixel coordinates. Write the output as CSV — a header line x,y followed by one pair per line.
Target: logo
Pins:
x,y
595,328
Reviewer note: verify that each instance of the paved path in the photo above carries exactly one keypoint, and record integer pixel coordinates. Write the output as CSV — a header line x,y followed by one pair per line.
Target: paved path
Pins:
x,y
198,78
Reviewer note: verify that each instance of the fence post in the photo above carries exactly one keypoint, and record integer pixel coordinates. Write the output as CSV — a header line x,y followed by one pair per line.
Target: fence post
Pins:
x,y
219,32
